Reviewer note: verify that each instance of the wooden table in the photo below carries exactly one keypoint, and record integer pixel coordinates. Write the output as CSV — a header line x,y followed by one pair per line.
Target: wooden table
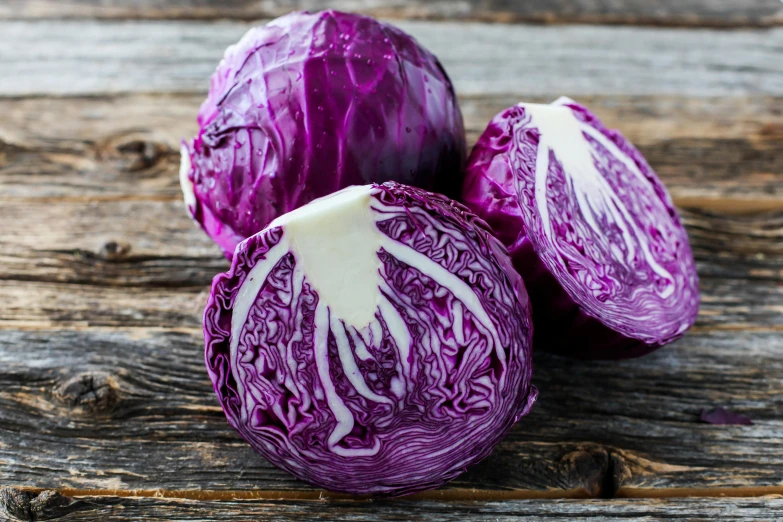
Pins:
x,y
106,411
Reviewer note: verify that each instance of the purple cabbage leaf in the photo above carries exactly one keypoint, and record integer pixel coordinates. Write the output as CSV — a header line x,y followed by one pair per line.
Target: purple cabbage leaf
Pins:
x,y
590,228
309,104
375,341
723,416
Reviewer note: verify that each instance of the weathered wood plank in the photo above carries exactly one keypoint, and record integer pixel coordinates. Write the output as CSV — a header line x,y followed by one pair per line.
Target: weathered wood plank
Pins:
x,y
153,243
715,13
100,239
646,410
145,264
145,228
134,410
169,298
120,411
52,306
49,504
108,217
713,153
89,57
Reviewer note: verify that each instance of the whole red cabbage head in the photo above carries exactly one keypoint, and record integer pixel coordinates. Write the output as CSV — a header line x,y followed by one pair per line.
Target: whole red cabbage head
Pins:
x,y
311,103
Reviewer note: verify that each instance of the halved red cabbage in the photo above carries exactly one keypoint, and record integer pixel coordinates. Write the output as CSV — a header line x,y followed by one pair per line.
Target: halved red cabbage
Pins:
x,y
374,341
590,228
309,104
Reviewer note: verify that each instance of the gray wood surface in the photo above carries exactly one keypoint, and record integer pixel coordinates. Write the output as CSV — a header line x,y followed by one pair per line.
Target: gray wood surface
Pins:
x,y
23,506
109,264
70,281
131,409
83,57
104,401
106,285
719,154
714,13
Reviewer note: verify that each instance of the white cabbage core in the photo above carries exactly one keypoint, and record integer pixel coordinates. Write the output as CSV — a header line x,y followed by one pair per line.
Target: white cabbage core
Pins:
x,y
335,242
563,134
184,180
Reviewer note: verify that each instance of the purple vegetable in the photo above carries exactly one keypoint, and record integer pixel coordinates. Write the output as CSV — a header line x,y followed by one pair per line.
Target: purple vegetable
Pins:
x,y
375,341
590,228
312,103
724,416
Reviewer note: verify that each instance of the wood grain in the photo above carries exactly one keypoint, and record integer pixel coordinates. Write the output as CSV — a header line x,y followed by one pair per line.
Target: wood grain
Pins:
x,y
698,13
135,410
719,154
92,57
145,264
103,397
19,505
127,409
105,279
92,186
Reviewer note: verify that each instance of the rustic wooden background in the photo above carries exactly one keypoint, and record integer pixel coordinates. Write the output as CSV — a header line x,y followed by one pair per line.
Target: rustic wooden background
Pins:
x,y
106,412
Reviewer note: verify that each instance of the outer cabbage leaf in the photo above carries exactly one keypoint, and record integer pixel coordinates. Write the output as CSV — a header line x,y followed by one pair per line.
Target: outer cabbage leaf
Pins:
x,y
387,399
312,103
589,226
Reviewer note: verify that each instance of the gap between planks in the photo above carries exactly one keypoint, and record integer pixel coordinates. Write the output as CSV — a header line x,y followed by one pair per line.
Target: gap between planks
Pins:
x,y
670,13
448,495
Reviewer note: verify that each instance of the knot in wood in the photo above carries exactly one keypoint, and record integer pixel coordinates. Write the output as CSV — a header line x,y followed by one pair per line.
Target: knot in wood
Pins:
x,y
90,391
114,250
587,464
17,504
134,152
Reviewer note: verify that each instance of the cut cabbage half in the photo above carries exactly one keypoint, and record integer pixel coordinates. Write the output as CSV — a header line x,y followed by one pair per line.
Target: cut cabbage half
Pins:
x,y
590,228
376,340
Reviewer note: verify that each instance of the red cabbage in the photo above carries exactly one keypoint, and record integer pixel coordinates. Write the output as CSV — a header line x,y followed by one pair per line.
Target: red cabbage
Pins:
x,y
590,228
375,341
312,103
